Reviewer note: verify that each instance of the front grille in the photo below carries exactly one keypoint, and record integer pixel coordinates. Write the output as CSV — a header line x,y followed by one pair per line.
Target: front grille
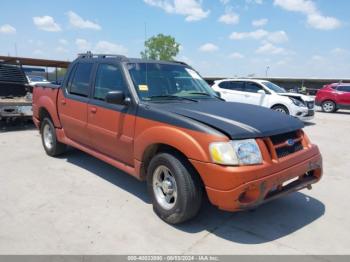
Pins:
x,y
287,144
278,139
288,150
311,113
310,105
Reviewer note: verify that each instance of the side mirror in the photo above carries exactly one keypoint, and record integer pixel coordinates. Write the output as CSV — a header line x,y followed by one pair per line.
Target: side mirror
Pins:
x,y
116,97
262,92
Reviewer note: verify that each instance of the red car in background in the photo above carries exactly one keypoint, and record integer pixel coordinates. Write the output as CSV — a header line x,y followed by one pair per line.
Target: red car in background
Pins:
x,y
333,97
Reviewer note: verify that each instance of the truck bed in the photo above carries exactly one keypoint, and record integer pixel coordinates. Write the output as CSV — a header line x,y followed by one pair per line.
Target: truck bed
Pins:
x,y
16,101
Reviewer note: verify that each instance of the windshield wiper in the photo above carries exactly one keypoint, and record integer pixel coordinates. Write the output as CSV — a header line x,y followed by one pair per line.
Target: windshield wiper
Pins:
x,y
205,94
173,97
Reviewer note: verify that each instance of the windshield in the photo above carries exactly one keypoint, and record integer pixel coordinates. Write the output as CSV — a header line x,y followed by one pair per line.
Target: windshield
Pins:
x,y
158,81
274,87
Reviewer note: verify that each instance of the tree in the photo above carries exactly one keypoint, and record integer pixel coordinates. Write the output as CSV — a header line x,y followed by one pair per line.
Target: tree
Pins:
x,y
161,47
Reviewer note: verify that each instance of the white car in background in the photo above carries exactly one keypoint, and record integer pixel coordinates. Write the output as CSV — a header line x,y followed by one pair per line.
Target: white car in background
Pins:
x,y
266,94
37,80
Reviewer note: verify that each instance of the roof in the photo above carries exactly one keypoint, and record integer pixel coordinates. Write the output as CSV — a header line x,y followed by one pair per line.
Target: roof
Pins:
x,y
242,79
64,64
122,58
34,61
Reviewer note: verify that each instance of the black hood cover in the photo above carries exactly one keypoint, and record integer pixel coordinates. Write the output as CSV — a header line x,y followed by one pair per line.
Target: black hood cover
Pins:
x,y
237,120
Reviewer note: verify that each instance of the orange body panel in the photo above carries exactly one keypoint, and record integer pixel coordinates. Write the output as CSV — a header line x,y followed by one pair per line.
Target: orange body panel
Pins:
x,y
111,133
45,98
224,185
193,144
73,117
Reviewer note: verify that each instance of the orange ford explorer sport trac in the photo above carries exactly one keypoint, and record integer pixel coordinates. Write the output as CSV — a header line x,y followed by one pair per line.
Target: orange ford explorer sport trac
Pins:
x,y
161,122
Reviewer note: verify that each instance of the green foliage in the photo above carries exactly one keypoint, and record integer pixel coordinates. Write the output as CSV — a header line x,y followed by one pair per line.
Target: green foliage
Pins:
x,y
161,47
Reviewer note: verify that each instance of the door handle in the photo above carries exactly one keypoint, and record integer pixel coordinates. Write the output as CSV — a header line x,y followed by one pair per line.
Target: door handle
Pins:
x,y
63,102
93,110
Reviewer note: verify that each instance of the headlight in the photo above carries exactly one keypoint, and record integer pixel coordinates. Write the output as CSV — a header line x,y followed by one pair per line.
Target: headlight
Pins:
x,y
239,152
297,102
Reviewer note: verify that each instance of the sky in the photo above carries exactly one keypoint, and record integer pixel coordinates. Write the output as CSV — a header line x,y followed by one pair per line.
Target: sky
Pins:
x,y
227,38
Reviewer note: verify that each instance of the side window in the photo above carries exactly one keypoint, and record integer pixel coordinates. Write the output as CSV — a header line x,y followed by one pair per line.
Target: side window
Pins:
x,y
344,88
224,85
252,87
237,86
70,78
80,82
108,78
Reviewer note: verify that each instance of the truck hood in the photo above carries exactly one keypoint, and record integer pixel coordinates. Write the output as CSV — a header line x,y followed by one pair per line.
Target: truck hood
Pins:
x,y
300,96
236,120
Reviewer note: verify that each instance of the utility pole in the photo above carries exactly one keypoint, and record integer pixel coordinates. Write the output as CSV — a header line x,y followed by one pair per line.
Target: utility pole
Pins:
x,y
16,53
267,71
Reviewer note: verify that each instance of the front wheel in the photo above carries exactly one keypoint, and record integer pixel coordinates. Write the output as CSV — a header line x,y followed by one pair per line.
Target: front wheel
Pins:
x,y
281,109
48,137
174,187
329,107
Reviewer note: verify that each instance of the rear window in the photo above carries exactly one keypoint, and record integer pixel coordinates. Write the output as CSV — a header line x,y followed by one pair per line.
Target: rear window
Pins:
x,y
79,84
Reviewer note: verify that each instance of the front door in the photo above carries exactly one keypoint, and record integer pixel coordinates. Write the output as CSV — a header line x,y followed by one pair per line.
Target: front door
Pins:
x,y
252,94
72,103
111,127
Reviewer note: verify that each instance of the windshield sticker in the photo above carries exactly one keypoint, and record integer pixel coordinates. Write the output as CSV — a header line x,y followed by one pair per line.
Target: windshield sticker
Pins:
x,y
193,73
143,88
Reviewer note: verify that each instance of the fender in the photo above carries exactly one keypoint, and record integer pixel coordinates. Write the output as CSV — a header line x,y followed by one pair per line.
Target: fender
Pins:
x,y
47,103
193,144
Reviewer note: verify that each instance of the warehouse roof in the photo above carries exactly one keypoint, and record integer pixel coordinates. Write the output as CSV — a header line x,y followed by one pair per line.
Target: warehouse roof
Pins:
x,y
34,61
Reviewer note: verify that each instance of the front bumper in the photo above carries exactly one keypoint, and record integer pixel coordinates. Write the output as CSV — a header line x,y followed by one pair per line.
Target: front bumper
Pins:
x,y
305,114
250,186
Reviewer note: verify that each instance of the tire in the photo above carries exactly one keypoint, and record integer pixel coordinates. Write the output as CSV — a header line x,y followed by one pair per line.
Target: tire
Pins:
x,y
281,109
329,106
49,140
170,177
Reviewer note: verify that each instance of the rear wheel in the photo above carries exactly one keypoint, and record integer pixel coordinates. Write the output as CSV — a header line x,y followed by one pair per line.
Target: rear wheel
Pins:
x,y
48,137
281,109
174,187
329,107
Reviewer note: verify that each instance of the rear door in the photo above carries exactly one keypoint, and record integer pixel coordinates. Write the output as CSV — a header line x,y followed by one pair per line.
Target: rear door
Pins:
x,y
233,91
111,127
343,95
72,103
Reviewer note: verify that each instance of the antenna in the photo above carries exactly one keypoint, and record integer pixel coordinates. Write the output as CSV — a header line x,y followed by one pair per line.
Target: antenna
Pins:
x,y
146,53
145,40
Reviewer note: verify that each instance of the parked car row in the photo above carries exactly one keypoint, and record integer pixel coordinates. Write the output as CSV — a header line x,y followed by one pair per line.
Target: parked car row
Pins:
x,y
333,97
266,94
330,98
